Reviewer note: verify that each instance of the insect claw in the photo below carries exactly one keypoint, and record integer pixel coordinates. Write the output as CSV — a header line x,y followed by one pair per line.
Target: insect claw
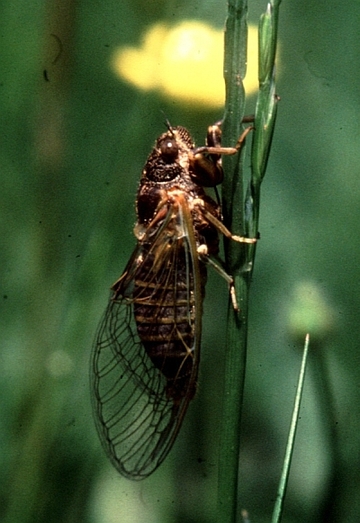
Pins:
x,y
242,239
203,250
233,297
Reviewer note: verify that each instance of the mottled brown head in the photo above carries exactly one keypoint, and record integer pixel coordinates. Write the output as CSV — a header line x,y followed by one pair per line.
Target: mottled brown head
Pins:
x,y
169,160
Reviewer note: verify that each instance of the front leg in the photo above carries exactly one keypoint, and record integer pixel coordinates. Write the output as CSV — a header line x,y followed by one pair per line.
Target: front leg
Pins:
x,y
205,161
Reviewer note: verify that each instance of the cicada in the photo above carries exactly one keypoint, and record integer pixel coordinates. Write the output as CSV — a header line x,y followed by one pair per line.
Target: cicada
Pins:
x,y
145,360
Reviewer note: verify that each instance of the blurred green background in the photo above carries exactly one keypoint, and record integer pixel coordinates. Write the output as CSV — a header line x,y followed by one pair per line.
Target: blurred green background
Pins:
x,y
74,139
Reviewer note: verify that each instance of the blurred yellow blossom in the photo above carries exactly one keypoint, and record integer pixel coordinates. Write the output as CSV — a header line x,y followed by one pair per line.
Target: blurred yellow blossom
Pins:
x,y
184,62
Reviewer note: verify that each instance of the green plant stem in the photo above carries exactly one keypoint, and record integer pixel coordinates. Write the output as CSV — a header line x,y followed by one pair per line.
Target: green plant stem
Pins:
x,y
235,359
232,406
241,216
278,508
265,113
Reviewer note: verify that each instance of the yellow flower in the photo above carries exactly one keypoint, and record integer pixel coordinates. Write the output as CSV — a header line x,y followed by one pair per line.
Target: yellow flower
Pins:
x,y
184,62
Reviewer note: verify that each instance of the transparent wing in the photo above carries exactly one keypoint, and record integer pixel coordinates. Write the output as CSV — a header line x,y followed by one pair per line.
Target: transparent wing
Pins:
x,y
139,400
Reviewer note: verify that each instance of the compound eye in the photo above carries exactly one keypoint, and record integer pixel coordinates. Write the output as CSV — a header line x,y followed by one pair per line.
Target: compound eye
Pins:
x,y
169,150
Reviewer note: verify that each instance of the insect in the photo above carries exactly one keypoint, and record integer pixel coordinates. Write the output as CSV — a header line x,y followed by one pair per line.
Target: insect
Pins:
x,y
145,360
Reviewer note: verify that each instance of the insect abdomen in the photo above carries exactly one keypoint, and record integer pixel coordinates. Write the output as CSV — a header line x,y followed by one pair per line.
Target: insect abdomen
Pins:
x,y
164,314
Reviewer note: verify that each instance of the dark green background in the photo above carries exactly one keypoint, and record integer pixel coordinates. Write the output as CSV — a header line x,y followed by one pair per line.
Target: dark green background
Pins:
x,y
73,142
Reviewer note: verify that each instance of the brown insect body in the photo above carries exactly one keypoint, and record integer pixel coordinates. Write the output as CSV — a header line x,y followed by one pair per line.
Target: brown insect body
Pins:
x,y
146,354
164,314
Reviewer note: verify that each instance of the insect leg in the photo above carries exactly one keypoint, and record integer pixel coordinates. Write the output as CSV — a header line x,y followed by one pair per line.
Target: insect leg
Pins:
x,y
217,149
219,225
205,258
214,134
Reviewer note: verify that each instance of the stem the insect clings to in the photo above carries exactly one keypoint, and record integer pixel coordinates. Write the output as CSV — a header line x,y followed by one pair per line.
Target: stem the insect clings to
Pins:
x,y
241,215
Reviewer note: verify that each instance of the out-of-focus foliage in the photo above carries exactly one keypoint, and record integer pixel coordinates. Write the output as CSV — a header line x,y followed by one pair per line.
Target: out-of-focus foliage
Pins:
x,y
73,141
